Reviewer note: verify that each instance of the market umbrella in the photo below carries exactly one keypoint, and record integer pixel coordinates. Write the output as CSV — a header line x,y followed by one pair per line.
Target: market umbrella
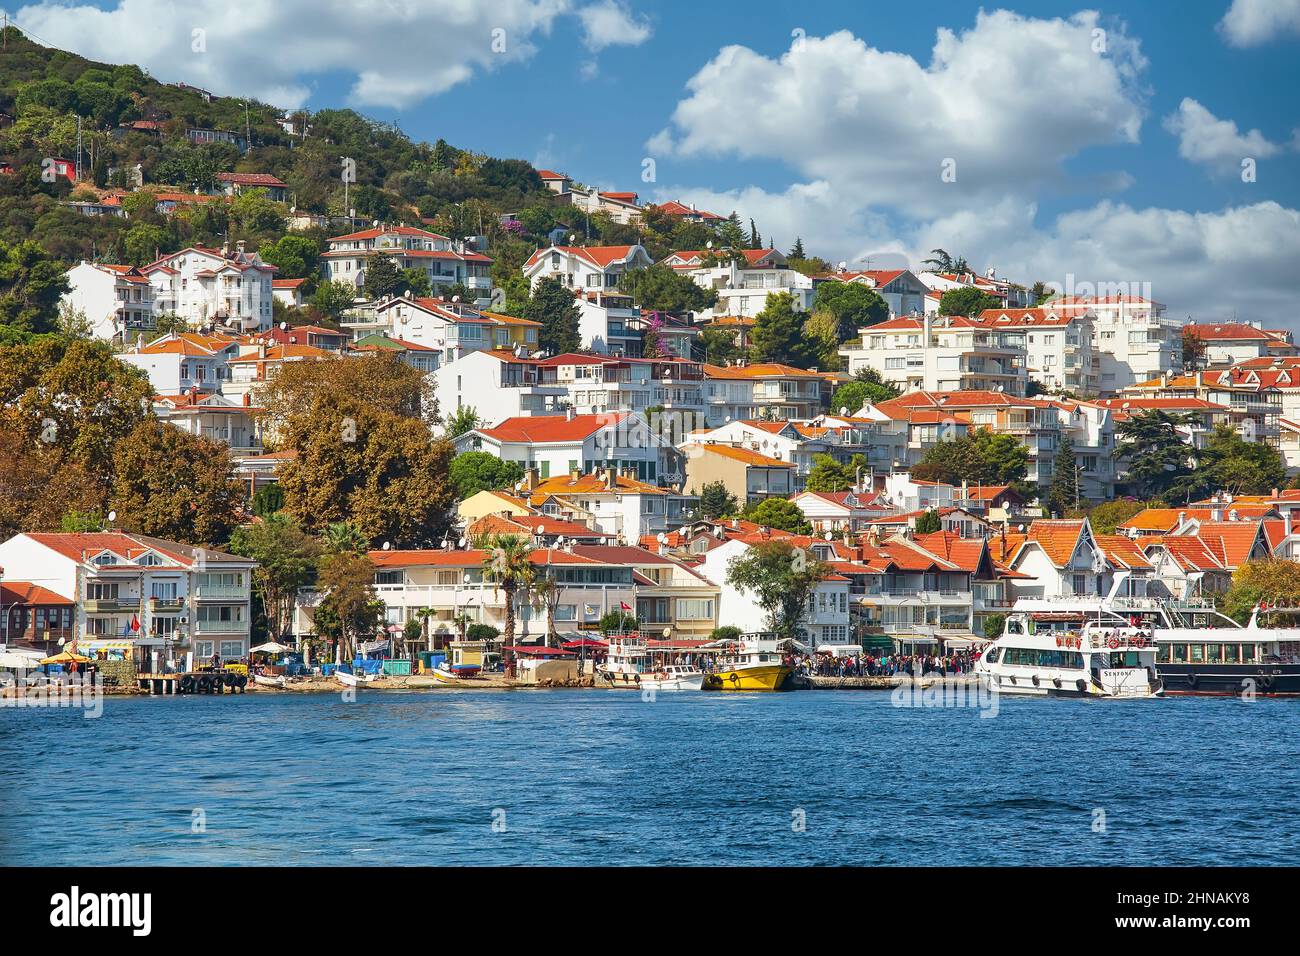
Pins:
x,y
270,647
19,660
66,657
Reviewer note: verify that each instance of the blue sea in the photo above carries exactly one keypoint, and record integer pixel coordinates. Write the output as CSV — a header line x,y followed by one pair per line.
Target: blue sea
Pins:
x,y
605,777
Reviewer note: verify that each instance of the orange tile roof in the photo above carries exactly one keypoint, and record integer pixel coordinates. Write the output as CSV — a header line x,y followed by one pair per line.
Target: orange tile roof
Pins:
x,y
25,592
744,455
1058,537
1122,551
758,370
551,428
592,484
1231,542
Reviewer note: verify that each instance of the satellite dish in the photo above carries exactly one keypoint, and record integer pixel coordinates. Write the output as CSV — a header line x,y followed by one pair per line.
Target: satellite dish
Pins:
x,y
375,223
388,546
112,516
572,240
462,542
843,410
455,298
843,267
661,538
709,244
284,326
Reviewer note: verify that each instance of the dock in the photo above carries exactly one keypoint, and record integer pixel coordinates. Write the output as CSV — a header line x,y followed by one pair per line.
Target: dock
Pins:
x,y
880,683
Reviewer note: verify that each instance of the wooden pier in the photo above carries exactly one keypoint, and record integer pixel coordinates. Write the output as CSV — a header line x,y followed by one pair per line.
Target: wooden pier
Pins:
x,y
155,685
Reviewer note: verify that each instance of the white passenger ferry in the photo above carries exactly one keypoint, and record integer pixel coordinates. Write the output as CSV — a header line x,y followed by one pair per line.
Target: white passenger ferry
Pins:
x,y
628,664
1050,650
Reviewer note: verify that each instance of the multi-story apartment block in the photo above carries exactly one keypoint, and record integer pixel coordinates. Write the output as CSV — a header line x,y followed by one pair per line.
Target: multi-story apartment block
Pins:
x,y
598,384
1059,348
214,417
942,353
748,476
498,385
208,286
446,261
145,597
1253,397
1133,338
116,300
762,390
1228,343
451,330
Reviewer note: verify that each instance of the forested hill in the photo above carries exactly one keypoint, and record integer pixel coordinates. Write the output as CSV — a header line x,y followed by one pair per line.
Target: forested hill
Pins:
x,y
129,118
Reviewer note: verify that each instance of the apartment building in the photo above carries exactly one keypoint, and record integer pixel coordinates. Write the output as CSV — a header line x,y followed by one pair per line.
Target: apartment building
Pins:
x,y
450,330
743,279
619,506
943,353
598,384
117,300
1253,397
498,385
446,261
762,390
1059,348
142,596
185,362
1228,343
748,475
1133,337
214,287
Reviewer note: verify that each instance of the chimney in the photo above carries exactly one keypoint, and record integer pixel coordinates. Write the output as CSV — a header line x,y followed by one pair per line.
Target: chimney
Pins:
x,y
611,479
1286,523
568,414
1216,513
530,479
239,247
247,400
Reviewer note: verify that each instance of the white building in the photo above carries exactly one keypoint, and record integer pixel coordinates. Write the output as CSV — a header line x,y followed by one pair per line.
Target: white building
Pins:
x,y
1227,343
209,286
590,268
743,279
762,390
1133,338
941,353
446,261
1060,351
561,444
599,383
451,329
150,594
901,289
117,300
497,385
183,362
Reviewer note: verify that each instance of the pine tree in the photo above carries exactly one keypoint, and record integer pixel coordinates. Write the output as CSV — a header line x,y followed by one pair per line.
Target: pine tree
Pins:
x,y
755,239
552,305
1063,494
797,251
778,333
731,234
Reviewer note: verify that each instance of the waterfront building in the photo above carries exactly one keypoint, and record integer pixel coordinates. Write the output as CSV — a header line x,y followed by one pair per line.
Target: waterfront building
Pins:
x,y
140,594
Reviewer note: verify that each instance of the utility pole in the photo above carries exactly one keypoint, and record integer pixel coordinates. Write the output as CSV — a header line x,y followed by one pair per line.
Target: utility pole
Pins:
x,y
78,171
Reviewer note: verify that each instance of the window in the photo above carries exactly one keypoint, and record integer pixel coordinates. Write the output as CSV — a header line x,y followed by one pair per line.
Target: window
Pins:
x,y
695,609
232,648
389,577
202,649
101,592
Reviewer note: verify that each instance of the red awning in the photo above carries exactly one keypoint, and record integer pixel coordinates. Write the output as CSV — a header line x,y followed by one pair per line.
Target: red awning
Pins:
x,y
584,642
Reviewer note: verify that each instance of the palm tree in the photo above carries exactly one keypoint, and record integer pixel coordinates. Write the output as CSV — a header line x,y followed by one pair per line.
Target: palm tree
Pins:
x,y
508,567
340,537
546,594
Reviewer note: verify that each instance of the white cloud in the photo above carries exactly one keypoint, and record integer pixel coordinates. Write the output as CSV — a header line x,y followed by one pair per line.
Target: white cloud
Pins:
x,y
1009,101
612,23
1217,143
400,51
1254,22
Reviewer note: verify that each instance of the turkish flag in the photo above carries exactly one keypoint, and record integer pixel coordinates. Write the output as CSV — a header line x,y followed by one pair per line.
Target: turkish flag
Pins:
x,y
624,606
135,622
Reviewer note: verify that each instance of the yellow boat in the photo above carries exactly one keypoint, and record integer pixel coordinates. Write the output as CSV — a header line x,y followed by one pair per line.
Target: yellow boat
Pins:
x,y
756,665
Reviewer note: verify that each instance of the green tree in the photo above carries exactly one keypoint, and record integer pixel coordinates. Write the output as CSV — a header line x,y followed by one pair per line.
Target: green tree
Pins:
x,y
617,622
475,471
993,625
778,333
297,257
968,301
827,474
334,298
171,484
1064,494
822,340
719,346
979,457
31,284
1157,454
1106,517
553,306
462,420
867,388
144,242
663,289
383,278
854,306
928,522
1230,463
349,609
779,513
716,501
1270,580
416,283
781,578
286,559
267,500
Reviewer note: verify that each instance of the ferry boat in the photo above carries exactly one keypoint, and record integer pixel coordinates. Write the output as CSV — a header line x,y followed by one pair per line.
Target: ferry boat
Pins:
x,y
1045,652
628,664
750,665
1198,650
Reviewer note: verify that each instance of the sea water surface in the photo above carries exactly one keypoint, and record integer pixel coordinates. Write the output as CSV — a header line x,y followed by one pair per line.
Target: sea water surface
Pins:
x,y
605,777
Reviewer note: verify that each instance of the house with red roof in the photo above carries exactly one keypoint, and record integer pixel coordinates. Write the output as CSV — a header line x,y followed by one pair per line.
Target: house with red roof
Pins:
x,y
33,617
622,207
185,362
1227,343
448,330
444,260
214,287
561,444
141,597
902,289
215,417
288,292
742,278
233,184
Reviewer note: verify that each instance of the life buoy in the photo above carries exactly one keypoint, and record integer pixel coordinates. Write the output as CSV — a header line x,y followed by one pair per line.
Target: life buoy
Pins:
x,y
1035,680
1113,643
735,678
1191,680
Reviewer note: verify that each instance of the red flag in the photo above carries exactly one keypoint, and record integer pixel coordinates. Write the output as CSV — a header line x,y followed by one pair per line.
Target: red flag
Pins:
x,y
624,606
135,622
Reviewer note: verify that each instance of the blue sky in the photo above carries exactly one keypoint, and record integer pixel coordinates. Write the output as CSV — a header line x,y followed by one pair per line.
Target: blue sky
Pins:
x,y
1122,164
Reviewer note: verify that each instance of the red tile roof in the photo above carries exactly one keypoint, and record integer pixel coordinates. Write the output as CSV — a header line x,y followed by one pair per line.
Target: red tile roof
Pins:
x,y
551,428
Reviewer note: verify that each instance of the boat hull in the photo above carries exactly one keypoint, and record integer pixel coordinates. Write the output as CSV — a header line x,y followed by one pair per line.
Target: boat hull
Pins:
x,y
1230,680
764,677
265,681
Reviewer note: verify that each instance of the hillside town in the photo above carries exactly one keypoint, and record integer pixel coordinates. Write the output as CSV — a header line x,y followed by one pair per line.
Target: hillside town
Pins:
x,y
357,419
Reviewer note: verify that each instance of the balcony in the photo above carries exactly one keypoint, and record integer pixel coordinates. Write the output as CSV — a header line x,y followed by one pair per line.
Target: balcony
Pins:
x,y
221,627
113,606
159,604
212,592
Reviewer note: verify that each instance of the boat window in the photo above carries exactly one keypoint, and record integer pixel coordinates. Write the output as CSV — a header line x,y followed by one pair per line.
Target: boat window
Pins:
x,y
992,656
1250,653
1230,653
1214,653
1034,657
1198,653
1123,659
1162,654
1015,627
1180,653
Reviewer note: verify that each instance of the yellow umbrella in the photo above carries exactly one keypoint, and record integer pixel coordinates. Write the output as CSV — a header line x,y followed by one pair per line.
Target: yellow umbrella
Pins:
x,y
66,657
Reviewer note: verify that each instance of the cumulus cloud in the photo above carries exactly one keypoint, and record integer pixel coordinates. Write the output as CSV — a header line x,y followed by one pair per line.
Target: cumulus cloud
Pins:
x,y
612,23
400,52
1254,22
886,127
1216,143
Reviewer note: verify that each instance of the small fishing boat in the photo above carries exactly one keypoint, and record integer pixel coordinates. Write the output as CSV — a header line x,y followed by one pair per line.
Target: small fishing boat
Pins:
x,y
628,665
268,680
349,679
750,665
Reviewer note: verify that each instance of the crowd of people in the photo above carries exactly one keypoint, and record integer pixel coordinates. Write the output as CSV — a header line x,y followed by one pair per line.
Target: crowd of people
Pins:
x,y
885,665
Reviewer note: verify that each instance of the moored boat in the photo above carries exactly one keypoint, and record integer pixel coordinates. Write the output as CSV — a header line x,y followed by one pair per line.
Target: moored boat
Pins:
x,y
349,679
268,680
750,665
